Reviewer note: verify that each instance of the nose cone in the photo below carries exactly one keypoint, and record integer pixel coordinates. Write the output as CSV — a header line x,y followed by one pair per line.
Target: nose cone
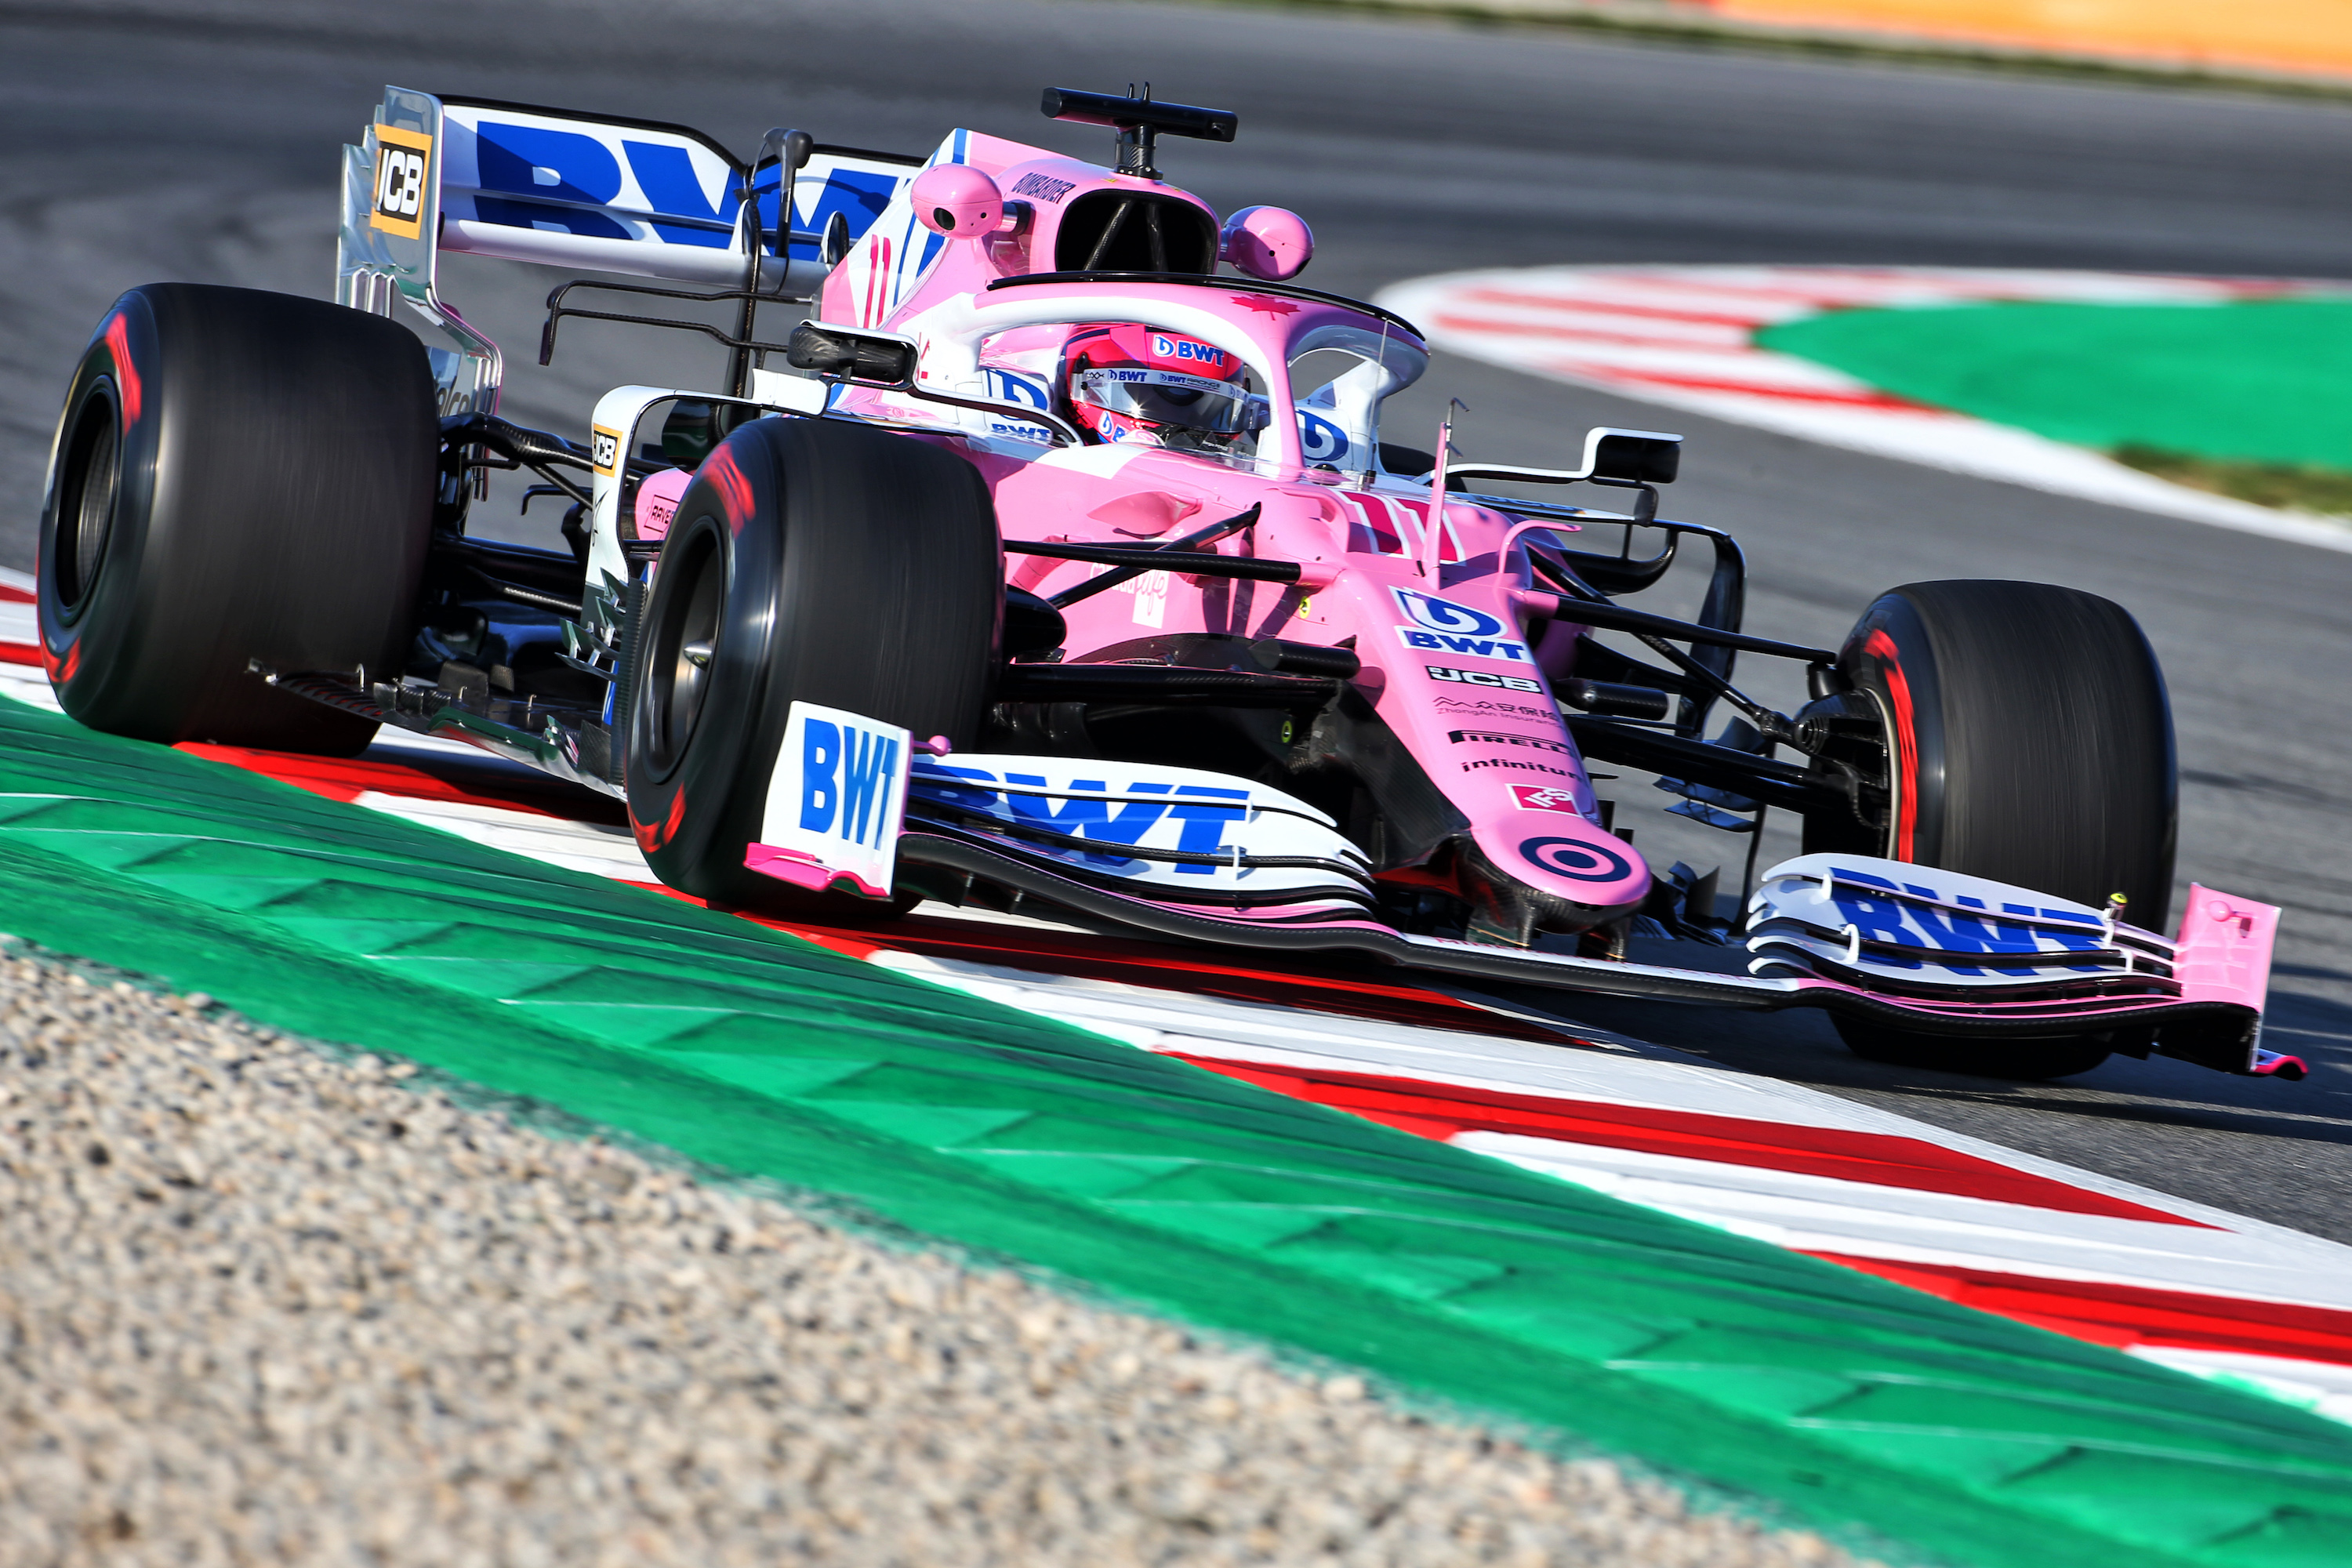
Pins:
x,y
1541,868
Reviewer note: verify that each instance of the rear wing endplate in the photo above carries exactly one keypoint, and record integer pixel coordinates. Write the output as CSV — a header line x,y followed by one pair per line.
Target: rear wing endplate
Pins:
x,y
600,193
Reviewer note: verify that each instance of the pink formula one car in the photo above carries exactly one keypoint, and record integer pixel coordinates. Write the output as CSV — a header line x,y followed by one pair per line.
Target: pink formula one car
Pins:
x,y
1057,560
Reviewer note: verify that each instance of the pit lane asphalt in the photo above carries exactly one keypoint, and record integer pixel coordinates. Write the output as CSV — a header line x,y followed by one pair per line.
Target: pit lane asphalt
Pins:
x,y
142,142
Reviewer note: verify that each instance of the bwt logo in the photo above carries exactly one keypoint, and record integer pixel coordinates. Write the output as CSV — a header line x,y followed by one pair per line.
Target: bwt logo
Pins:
x,y
1320,441
1440,625
1007,388
839,788
1903,924
847,774
1089,810
1432,614
1169,348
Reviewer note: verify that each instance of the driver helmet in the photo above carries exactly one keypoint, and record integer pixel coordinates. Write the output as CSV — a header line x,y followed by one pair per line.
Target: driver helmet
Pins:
x,y
1139,384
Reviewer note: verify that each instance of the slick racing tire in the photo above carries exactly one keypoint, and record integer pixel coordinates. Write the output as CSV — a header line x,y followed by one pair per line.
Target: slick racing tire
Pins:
x,y
813,560
2026,737
237,476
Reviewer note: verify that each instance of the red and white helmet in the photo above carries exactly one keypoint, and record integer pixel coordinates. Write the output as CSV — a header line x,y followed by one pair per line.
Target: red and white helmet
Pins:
x,y
1141,385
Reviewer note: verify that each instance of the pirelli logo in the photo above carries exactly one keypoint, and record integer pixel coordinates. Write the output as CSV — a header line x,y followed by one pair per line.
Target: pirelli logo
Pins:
x,y
1498,738
402,158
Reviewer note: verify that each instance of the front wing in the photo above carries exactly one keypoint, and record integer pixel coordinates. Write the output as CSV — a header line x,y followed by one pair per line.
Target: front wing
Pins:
x,y
1210,857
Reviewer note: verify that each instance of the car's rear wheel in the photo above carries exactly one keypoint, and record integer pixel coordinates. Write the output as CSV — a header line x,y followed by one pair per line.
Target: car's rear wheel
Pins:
x,y
813,560
2024,735
237,476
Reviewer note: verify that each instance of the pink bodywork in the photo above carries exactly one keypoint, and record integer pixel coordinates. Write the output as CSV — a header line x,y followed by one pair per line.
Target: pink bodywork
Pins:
x,y
1448,661
1267,242
2224,951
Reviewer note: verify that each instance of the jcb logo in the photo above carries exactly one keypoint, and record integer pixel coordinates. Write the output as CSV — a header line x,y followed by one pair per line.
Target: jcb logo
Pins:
x,y
401,159
605,449
401,184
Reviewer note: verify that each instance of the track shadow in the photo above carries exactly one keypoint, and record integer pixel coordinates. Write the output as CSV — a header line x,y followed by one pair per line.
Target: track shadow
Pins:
x,y
2276,1151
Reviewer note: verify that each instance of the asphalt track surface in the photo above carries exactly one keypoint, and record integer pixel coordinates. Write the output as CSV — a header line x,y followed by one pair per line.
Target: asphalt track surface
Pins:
x,y
198,141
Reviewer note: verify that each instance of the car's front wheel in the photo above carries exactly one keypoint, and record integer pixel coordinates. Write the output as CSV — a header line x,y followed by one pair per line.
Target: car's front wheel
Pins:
x,y
2024,735
813,560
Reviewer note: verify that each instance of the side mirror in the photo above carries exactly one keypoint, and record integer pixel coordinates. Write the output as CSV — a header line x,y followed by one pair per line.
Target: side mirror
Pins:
x,y
957,200
871,359
1636,457
1268,243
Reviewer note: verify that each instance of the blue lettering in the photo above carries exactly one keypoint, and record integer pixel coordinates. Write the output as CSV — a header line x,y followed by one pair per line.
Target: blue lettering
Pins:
x,y
979,794
1952,932
1482,648
858,198
1204,824
866,782
1017,389
1088,819
820,755
1320,440
509,157
1465,647
1879,920
1445,615
666,173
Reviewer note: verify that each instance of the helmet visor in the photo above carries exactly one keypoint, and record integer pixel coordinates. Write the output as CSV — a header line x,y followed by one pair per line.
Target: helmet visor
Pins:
x,y
1168,397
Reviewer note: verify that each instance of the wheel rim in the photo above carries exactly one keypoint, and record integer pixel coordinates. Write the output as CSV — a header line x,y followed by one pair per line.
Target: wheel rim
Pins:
x,y
85,507
685,648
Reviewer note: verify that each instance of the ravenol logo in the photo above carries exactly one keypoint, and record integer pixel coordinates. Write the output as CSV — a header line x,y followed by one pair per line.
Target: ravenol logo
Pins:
x,y
1172,348
838,793
1088,810
1440,625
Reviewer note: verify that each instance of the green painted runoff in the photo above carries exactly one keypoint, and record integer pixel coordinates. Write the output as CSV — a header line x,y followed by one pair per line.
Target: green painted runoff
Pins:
x,y
1846,1400
2253,382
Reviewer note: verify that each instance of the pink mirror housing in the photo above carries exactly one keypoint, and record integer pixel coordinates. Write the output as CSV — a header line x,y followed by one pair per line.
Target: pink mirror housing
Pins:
x,y
957,200
1269,243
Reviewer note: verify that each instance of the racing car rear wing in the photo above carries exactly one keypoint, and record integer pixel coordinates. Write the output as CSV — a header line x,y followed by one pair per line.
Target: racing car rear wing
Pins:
x,y
601,193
